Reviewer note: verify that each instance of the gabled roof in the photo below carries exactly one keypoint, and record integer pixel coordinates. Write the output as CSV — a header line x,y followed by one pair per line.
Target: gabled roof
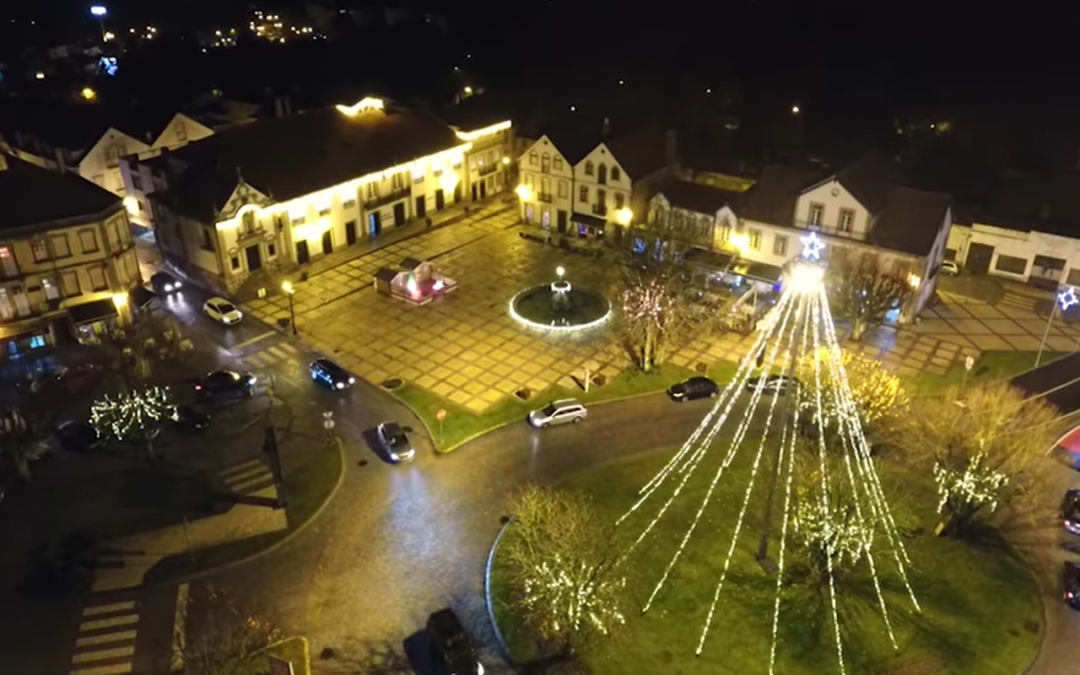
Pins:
x,y
574,140
482,110
867,178
641,153
293,156
909,219
773,197
77,127
34,196
702,198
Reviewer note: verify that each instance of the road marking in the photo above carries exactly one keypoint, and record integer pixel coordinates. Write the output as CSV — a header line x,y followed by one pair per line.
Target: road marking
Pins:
x,y
256,359
118,636
103,654
109,609
114,622
288,347
277,351
248,343
179,627
114,669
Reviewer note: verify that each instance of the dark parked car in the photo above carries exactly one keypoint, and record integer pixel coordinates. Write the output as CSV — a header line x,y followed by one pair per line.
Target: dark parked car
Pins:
x,y
1072,584
78,436
393,439
226,384
164,283
1070,511
450,645
694,388
190,418
331,374
772,384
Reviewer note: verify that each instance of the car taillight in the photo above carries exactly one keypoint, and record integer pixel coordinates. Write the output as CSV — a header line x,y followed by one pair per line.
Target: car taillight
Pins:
x,y
198,387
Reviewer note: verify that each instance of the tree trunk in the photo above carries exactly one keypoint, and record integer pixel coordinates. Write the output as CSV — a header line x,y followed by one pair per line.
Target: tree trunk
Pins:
x,y
858,327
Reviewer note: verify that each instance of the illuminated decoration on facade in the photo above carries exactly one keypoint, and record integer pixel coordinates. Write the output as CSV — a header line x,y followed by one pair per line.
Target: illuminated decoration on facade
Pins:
x,y
88,94
486,131
299,207
1067,298
368,104
833,502
108,65
812,246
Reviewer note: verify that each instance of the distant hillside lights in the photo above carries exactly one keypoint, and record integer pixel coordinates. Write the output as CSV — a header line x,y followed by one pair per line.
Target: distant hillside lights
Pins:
x,y
271,27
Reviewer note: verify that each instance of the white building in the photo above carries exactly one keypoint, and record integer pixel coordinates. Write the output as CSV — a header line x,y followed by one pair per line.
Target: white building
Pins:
x,y
1032,233
277,193
581,181
862,207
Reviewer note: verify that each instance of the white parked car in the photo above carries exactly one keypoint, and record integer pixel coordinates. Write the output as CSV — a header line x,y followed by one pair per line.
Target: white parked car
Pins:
x,y
222,311
950,267
560,412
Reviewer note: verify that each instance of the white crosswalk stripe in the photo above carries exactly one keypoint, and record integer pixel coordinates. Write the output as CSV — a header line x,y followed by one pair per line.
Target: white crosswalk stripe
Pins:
x,y
1017,300
248,477
106,641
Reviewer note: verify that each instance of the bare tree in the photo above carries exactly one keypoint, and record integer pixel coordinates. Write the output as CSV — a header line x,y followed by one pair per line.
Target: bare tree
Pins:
x,y
562,568
863,287
23,437
140,353
222,635
987,451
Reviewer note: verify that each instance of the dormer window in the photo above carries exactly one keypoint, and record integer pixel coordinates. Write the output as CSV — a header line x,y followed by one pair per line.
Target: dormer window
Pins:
x,y
817,214
589,169
615,173
181,130
847,221
601,176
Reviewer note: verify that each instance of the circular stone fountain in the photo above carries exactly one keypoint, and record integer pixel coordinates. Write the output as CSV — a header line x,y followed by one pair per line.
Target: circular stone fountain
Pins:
x,y
560,306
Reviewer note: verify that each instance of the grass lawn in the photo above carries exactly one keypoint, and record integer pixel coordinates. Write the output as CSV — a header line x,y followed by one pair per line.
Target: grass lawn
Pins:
x,y
981,611
461,424
306,489
989,367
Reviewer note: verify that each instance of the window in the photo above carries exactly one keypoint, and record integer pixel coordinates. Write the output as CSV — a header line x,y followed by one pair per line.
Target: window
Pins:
x,y
97,279
70,282
534,158
88,241
248,221
136,181
755,239
271,250
584,195
619,200
545,188
181,131
601,198
297,220
41,251
234,262
7,262
564,189
558,163
324,211
601,175
372,190
37,342
397,182
99,180
779,246
589,169
545,163
1010,264
418,178
847,221
60,246
113,155
817,214
1073,278
437,172
615,175
724,233
207,239
350,203
48,286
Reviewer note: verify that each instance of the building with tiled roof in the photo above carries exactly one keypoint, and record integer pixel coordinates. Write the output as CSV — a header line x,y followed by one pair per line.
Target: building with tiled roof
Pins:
x,y
67,258
277,193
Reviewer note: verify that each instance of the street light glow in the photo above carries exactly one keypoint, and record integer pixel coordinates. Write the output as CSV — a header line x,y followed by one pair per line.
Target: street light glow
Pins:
x,y
524,192
99,10
795,110
287,287
120,300
560,270
805,279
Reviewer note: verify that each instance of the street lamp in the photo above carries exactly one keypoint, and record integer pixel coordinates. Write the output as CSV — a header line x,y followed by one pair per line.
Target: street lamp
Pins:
x,y
1065,299
560,270
288,288
100,12
120,301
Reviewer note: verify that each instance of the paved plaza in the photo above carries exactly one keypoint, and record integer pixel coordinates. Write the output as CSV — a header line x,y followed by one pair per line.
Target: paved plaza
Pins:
x,y
466,348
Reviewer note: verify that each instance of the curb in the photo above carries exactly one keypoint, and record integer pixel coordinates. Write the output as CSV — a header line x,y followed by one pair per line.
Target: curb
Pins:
x,y
487,593
288,537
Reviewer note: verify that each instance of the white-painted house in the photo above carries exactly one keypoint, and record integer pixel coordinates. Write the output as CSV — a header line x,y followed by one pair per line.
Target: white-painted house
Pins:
x,y
861,207
583,181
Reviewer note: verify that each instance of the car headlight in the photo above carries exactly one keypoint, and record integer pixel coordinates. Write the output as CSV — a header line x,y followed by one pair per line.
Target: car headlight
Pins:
x,y
352,380
168,287
340,385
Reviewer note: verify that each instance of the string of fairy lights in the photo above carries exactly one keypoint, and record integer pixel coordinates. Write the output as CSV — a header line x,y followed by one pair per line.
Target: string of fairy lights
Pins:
x,y
846,513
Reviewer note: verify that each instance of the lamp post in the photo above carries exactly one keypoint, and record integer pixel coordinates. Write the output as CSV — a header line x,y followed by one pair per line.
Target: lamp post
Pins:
x,y
1065,299
288,288
100,12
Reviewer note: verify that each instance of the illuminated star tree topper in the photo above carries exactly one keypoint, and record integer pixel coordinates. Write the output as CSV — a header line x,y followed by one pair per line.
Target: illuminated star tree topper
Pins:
x,y
1067,298
812,247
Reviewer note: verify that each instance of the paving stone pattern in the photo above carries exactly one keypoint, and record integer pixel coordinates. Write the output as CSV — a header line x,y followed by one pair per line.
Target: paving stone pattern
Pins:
x,y
466,348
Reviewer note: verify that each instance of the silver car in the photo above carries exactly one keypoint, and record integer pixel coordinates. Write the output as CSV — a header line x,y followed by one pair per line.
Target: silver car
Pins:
x,y
559,412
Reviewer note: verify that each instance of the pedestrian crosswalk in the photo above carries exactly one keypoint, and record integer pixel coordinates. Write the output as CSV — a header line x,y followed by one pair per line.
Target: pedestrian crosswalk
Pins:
x,y
248,477
267,355
105,644
1017,300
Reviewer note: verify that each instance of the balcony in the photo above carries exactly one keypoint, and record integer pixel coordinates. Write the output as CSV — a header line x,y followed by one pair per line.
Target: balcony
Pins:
x,y
383,200
599,210
488,169
544,197
831,230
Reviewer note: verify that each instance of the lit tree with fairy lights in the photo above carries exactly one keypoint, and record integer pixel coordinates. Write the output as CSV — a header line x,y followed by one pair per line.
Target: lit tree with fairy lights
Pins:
x,y
656,309
136,416
825,510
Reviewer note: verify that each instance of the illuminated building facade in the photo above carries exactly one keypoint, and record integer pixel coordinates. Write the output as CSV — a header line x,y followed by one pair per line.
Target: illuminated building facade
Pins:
x,y
67,259
274,194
